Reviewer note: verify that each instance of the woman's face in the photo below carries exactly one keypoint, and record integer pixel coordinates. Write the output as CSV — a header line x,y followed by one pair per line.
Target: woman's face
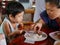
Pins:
x,y
52,11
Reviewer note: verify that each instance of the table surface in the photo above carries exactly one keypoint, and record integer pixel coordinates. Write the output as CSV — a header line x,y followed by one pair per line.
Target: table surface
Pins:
x,y
20,40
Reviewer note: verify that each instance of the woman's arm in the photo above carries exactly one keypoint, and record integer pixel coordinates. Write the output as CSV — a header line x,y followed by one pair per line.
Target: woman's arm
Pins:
x,y
40,21
38,25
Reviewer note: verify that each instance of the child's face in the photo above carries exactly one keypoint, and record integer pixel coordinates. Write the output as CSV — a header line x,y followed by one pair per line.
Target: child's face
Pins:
x,y
18,18
52,11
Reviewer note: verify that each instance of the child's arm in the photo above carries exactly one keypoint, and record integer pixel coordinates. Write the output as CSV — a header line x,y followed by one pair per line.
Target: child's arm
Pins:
x,y
7,30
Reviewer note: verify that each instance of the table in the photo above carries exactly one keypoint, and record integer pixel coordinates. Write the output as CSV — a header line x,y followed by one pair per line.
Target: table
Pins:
x,y
20,40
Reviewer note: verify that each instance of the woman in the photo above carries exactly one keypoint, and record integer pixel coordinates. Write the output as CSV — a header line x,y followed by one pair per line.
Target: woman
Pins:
x,y
50,15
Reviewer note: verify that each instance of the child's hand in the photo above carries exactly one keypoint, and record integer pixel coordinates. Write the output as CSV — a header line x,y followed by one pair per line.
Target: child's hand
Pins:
x,y
19,32
20,27
22,32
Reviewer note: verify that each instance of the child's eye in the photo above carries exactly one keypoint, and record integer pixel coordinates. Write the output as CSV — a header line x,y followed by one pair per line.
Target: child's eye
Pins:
x,y
19,16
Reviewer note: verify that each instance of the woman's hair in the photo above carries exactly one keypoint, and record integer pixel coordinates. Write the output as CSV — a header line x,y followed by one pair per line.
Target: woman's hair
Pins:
x,y
14,8
55,2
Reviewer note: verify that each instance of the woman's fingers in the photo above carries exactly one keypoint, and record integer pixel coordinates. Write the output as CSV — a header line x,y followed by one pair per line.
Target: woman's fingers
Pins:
x,y
37,27
32,26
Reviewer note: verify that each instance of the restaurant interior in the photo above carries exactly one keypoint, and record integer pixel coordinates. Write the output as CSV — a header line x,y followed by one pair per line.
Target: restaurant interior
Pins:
x,y
45,36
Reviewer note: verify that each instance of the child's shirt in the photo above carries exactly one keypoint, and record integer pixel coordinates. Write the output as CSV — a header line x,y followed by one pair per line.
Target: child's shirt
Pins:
x,y
7,21
10,25
52,24
2,36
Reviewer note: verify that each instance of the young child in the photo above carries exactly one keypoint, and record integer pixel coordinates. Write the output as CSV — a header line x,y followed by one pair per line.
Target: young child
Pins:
x,y
15,12
50,15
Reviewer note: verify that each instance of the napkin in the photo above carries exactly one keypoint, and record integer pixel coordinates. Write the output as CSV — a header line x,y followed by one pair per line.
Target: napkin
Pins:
x,y
3,42
2,39
29,41
28,37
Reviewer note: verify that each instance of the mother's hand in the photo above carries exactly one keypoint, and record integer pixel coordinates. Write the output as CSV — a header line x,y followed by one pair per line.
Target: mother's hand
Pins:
x,y
37,27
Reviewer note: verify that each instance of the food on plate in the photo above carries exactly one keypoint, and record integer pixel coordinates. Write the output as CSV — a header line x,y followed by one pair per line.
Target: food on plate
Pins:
x,y
34,35
57,35
37,36
39,33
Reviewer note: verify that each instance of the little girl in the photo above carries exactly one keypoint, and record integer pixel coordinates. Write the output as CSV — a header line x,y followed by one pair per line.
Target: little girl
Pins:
x,y
15,12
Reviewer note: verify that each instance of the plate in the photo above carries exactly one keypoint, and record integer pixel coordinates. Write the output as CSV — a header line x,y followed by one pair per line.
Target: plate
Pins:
x,y
54,35
34,36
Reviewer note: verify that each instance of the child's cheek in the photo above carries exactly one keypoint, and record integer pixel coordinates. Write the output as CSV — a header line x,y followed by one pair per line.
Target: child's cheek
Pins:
x,y
19,20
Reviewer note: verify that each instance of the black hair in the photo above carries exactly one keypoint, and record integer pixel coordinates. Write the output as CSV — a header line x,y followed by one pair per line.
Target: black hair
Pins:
x,y
14,8
55,2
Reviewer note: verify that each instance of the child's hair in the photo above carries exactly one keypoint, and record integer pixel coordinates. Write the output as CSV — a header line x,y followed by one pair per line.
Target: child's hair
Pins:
x,y
14,8
55,2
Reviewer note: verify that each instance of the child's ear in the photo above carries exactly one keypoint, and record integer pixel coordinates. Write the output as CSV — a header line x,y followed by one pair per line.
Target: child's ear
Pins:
x,y
10,15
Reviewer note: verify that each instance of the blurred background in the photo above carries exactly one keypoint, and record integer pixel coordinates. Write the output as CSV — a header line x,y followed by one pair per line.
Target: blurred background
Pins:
x,y
29,6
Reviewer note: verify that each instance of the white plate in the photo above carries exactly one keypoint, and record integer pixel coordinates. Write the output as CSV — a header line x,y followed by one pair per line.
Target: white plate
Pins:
x,y
52,35
35,37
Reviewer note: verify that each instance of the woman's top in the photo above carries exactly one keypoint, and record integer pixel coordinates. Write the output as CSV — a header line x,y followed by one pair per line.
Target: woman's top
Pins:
x,y
52,24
